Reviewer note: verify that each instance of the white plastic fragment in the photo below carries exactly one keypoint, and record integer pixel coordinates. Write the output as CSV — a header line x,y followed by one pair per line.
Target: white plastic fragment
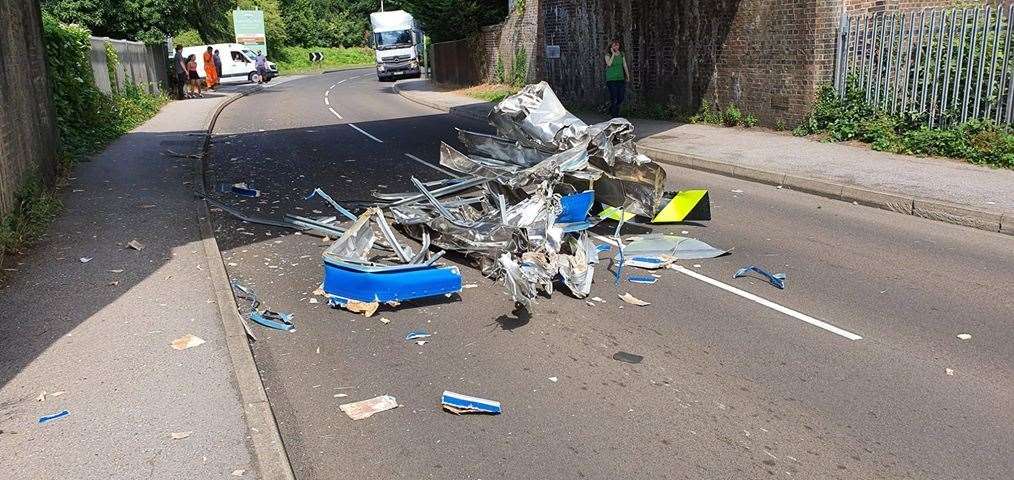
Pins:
x,y
964,336
626,297
180,435
187,341
366,408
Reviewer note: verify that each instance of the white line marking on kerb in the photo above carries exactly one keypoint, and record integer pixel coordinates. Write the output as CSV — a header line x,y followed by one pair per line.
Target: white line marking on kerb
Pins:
x,y
428,164
375,139
767,303
335,113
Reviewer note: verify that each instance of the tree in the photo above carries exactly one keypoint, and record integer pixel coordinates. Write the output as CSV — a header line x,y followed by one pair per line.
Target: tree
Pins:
x,y
446,20
327,23
144,20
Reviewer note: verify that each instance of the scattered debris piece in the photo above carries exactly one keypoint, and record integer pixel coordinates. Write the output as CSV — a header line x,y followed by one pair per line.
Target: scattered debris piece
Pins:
x,y
340,395
417,334
460,404
135,244
627,357
421,342
598,299
366,408
469,285
659,250
180,435
553,379
57,393
267,318
777,279
238,472
626,297
313,300
55,416
365,308
385,320
187,341
170,153
949,371
686,205
41,397
643,279
116,271
240,189
736,190
964,336
85,259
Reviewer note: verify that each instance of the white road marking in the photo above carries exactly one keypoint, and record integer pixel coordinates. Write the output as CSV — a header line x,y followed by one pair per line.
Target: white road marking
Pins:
x,y
326,102
335,113
327,92
364,132
332,86
428,164
767,303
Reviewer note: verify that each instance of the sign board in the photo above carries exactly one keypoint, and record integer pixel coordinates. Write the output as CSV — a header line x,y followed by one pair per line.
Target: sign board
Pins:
x,y
552,51
249,26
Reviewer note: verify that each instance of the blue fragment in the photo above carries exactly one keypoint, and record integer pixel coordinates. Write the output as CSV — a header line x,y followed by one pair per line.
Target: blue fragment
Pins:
x,y
377,283
603,247
777,279
275,320
576,207
415,334
459,403
644,279
49,418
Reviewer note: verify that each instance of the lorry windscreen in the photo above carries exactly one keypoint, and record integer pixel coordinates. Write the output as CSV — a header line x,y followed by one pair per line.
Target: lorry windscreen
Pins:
x,y
395,39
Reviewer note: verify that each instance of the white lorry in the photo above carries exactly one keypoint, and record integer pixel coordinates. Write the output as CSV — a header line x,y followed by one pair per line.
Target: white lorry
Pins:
x,y
237,61
398,43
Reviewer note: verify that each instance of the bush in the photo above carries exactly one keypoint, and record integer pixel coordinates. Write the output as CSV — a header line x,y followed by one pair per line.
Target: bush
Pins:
x,y
297,59
519,68
750,121
732,116
850,117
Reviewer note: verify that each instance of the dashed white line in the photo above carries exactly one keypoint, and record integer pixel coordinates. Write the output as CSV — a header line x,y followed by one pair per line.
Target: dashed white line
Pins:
x,y
428,164
375,139
335,113
767,303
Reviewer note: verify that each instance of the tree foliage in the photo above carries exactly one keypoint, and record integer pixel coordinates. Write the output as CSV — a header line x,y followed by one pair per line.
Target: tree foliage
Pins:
x,y
446,20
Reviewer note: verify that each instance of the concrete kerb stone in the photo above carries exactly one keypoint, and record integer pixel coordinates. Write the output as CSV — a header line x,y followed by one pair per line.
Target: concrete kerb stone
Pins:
x,y
930,209
956,214
269,451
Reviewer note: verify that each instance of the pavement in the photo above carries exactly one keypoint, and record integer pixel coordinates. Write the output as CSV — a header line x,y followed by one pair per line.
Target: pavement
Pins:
x,y
728,388
87,326
940,189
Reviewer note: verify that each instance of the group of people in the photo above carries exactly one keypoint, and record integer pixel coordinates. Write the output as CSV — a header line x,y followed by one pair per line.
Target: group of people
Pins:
x,y
188,81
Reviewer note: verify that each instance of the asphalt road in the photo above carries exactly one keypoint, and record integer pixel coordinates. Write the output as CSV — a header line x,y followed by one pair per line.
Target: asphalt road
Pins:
x,y
728,388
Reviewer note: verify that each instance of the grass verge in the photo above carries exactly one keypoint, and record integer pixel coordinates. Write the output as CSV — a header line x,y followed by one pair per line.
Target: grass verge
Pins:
x,y
490,92
294,60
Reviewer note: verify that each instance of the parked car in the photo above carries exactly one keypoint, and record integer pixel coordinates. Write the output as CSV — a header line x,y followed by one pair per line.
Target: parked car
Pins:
x,y
237,61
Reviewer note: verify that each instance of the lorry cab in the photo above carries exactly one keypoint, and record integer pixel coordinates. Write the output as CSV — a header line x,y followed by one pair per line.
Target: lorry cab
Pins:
x,y
237,61
398,43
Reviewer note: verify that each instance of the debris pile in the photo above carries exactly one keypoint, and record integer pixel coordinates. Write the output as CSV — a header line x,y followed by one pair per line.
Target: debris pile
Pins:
x,y
520,209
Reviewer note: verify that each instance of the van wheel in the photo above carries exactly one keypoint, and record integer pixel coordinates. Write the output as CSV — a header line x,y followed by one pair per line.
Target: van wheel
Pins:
x,y
253,77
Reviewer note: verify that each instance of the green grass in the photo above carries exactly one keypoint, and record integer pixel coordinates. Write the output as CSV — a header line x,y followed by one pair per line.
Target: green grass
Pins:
x,y
35,207
489,92
293,60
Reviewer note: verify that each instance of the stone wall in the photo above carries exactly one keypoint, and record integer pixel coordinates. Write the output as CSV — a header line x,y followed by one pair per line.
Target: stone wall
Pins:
x,y
766,56
28,136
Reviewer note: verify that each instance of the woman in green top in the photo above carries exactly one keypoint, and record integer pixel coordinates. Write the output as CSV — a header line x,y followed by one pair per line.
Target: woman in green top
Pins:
x,y
616,77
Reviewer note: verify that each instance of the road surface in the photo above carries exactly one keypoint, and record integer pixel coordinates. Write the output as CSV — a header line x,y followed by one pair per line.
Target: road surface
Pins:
x,y
728,388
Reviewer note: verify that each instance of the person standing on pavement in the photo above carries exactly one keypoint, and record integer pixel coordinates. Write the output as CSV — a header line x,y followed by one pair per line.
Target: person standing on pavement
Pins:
x,y
218,66
210,74
616,77
195,79
261,62
180,67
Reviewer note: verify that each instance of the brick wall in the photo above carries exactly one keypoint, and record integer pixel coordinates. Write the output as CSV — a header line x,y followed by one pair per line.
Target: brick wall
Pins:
x,y
766,56
28,137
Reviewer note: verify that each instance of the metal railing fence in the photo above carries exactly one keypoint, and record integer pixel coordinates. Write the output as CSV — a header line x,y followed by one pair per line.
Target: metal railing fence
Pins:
x,y
945,65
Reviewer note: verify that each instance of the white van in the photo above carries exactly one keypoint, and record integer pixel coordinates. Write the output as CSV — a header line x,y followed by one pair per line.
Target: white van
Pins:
x,y
237,61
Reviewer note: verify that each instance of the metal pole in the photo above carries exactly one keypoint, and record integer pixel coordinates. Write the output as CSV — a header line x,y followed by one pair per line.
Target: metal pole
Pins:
x,y
840,41
982,64
897,73
947,68
992,67
881,44
971,58
929,57
862,51
1003,72
934,111
908,66
918,61
890,58
848,50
